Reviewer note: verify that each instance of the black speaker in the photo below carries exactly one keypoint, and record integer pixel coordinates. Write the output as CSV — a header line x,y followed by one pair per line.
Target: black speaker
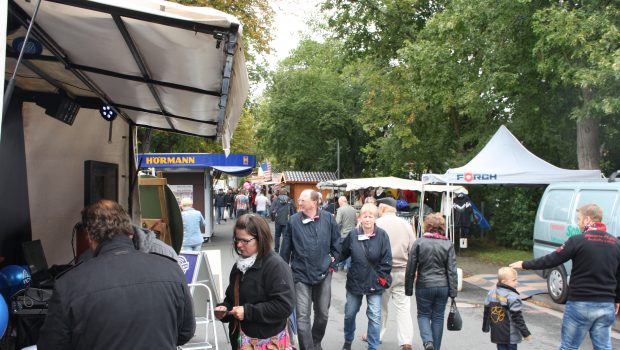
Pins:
x,y
63,108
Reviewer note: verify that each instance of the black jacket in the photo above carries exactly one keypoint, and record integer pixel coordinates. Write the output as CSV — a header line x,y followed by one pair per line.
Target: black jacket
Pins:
x,y
120,299
434,262
267,295
596,266
220,200
362,277
503,316
310,246
282,208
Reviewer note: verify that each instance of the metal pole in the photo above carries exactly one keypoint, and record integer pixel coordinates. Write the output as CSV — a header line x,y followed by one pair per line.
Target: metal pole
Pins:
x,y
338,158
208,203
8,94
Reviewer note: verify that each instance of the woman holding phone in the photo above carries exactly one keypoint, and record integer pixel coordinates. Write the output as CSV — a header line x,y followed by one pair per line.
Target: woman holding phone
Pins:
x,y
260,296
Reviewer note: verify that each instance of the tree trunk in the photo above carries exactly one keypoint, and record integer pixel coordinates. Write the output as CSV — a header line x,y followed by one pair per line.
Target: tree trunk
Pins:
x,y
588,144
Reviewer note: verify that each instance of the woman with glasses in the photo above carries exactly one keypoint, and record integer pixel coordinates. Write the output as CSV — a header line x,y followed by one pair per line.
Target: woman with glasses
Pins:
x,y
260,295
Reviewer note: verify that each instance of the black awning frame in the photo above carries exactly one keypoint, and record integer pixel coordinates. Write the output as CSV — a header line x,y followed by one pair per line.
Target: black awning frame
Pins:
x,y
228,35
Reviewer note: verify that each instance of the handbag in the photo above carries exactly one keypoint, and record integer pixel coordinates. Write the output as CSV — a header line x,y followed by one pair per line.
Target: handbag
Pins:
x,y
455,322
280,341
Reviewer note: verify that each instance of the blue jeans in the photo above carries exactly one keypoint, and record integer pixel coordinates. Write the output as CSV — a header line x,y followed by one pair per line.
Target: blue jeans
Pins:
x,y
220,214
431,308
313,298
506,346
345,263
373,312
582,317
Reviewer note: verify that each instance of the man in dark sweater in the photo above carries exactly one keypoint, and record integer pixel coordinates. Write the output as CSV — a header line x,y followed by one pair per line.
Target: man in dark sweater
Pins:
x,y
594,291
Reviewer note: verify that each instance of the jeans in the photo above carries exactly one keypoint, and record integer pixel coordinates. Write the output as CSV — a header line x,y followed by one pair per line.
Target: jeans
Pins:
x,y
373,312
345,263
402,308
313,298
431,308
278,238
582,317
220,214
196,247
506,346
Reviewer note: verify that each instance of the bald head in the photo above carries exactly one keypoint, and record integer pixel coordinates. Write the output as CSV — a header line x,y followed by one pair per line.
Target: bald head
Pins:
x,y
342,201
308,201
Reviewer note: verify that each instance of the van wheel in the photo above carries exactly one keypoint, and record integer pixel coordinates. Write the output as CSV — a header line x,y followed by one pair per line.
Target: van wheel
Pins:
x,y
557,285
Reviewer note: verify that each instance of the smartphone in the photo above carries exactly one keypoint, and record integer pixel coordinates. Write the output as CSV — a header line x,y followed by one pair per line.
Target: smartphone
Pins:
x,y
220,313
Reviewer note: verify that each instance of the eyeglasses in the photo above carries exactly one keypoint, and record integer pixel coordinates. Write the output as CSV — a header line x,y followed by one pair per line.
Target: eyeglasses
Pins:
x,y
243,241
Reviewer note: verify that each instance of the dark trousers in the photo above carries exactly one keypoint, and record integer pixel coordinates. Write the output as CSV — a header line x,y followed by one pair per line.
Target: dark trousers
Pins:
x,y
279,230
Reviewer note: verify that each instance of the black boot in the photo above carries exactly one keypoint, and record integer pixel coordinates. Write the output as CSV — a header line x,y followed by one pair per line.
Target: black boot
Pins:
x,y
346,346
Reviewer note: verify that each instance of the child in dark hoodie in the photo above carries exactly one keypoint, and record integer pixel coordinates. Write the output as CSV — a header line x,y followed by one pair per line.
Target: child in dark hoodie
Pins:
x,y
502,312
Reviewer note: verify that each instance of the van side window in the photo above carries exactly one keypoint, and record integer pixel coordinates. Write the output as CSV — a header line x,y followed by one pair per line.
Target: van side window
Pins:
x,y
557,205
604,199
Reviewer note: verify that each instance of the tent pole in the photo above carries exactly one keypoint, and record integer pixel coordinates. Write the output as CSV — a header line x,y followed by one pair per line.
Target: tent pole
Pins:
x,y
8,94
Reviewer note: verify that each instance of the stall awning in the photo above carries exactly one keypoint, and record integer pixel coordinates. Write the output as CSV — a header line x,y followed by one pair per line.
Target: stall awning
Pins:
x,y
504,160
233,164
158,64
387,182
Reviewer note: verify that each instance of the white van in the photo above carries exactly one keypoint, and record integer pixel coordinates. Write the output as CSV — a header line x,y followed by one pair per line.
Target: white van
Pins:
x,y
556,221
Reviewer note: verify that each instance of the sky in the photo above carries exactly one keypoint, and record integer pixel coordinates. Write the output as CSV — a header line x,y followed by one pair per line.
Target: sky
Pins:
x,y
290,23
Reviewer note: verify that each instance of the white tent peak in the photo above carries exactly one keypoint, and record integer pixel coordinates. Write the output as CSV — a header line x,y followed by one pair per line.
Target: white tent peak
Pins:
x,y
504,160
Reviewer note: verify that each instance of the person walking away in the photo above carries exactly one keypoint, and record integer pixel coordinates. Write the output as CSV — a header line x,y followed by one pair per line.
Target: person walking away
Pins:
x,y
192,221
346,218
242,203
369,275
220,205
260,294
282,208
311,245
122,298
432,264
262,203
502,312
593,290
230,198
401,237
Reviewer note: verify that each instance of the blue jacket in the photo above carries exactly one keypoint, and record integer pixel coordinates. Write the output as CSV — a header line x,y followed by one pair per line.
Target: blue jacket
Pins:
x,y
362,277
309,245
192,220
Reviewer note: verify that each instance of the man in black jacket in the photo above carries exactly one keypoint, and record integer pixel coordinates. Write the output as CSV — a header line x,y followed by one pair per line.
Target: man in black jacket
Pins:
x,y
120,299
594,291
282,208
311,244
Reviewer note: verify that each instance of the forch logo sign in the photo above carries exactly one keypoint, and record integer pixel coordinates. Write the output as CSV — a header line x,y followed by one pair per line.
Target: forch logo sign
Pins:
x,y
469,177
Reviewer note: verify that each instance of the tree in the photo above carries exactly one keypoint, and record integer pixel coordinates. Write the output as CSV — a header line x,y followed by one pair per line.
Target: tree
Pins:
x,y
578,48
310,102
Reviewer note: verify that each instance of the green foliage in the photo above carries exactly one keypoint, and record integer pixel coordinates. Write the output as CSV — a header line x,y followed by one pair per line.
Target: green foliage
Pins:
x,y
488,251
310,102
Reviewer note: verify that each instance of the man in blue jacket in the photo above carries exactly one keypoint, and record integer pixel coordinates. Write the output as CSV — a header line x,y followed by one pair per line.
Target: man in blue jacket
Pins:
x,y
311,245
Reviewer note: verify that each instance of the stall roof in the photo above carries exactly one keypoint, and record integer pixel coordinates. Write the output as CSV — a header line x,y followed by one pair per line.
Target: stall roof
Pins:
x,y
159,64
504,160
388,182
233,164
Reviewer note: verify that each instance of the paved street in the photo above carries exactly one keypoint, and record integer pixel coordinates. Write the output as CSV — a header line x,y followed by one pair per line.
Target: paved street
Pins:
x,y
544,323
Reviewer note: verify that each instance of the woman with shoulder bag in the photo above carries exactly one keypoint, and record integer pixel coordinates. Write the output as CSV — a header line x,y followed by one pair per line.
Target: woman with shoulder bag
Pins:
x,y
369,275
260,296
432,264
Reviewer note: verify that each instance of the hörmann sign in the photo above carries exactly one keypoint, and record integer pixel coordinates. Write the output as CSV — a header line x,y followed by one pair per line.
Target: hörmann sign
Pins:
x,y
469,177
195,160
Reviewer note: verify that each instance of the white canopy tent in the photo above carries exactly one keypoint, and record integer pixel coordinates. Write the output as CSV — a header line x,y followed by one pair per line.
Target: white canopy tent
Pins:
x,y
504,160
388,182
158,64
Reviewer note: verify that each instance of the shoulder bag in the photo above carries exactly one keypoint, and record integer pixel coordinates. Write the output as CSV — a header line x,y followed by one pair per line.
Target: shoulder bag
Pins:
x,y
280,341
